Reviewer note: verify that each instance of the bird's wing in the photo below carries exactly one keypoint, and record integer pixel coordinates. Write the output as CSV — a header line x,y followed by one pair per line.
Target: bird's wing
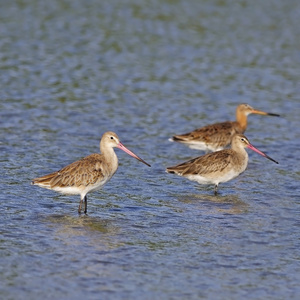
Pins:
x,y
85,171
219,134
209,163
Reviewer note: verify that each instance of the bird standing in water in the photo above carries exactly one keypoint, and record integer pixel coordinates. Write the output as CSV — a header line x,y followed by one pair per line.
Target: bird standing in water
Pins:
x,y
220,166
88,174
219,135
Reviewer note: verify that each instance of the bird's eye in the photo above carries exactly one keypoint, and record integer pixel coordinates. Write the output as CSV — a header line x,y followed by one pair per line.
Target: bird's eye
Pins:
x,y
111,137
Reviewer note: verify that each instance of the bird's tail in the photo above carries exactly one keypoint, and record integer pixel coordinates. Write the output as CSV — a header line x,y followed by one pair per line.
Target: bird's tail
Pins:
x,y
44,181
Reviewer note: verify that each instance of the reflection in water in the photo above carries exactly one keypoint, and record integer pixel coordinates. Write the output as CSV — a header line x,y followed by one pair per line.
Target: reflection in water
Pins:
x,y
230,204
84,221
71,229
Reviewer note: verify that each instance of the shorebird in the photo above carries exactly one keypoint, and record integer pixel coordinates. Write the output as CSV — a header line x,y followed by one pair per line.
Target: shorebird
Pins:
x,y
220,166
219,135
88,174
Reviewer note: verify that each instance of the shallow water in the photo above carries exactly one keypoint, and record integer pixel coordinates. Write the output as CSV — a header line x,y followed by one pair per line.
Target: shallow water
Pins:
x,y
71,70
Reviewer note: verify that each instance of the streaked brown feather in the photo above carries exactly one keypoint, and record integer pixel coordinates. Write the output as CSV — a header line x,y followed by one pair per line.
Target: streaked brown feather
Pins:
x,y
219,134
84,172
203,164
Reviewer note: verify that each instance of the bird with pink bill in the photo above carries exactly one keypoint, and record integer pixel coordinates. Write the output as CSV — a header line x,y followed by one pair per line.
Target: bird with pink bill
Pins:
x,y
88,174
220,166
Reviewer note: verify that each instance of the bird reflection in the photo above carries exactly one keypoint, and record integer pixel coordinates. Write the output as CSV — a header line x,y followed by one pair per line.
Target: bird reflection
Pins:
x,y
71,229
230,204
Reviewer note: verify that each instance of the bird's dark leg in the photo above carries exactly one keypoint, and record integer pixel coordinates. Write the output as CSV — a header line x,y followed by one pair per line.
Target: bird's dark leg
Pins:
x,y
85,204
80,204
216,190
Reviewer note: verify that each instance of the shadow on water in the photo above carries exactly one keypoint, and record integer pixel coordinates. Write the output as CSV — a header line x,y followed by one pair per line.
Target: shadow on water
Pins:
x,y
82,222
84,231
82,225
230,204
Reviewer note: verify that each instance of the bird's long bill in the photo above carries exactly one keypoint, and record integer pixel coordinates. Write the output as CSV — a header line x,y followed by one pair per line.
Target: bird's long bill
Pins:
x,y
261,153
259,112
122,147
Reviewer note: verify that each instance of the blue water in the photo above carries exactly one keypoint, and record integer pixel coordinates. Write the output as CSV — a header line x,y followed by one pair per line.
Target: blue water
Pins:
x,y
71,70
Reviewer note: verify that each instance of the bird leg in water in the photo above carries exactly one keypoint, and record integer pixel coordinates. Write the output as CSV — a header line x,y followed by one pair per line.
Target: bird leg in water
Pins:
x,y
80,204
216,190
85,204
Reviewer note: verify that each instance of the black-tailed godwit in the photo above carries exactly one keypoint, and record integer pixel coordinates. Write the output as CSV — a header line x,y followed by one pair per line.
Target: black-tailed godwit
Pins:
x,y
219,135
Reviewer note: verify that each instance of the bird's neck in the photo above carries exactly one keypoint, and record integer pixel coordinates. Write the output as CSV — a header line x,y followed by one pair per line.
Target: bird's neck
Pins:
x,y
241,119
110,157
241,157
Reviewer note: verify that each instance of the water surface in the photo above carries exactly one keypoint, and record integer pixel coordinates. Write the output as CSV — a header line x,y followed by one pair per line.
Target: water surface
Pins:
x,y
71,70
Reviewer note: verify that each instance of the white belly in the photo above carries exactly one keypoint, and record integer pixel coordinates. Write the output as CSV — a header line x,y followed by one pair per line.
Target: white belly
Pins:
x,y
214,178
203,146
76,190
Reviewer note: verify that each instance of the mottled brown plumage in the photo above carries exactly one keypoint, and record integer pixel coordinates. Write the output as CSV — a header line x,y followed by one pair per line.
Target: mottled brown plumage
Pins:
x,y
86,171
89,173
220,166
219,135
203,165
